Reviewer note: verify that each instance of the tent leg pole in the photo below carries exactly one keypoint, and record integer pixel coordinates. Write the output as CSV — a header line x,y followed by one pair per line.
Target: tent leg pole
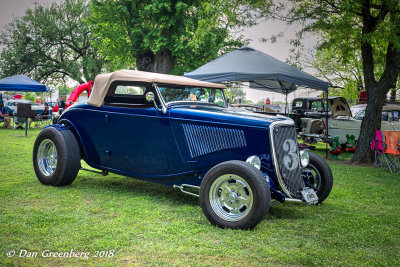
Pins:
x,y
326,124
26,127
286,106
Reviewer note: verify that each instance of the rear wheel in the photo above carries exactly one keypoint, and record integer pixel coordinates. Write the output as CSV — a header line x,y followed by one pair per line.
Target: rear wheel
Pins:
x,y
234,194
56,157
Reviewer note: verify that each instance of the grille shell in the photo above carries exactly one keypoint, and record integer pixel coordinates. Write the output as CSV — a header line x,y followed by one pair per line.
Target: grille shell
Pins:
x,y
286,157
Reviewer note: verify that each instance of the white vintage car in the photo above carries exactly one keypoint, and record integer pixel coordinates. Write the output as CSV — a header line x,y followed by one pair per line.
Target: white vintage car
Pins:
x,y
341,123
12,104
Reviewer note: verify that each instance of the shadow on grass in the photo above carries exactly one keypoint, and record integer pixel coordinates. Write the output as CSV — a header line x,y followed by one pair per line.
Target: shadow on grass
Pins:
x,y
126,186
288,211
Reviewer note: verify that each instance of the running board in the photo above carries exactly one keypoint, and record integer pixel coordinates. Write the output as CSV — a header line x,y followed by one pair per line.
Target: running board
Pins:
x,y
183,186
104,173
293,200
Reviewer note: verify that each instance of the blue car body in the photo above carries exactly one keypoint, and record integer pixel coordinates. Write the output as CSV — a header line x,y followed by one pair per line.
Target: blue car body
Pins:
x,y
177,147
179,132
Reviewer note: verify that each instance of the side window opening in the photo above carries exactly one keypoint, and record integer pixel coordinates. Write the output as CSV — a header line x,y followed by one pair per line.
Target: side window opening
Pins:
x,y
317,105
384,116
128,94
396,115
298,104
129,90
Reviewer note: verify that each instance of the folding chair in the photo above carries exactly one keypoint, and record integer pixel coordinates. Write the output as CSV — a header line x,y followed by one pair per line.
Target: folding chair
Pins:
x,y
19,122
46,121
386,146
392,150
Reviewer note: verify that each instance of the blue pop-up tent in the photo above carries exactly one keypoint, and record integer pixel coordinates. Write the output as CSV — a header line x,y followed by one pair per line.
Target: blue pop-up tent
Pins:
x,y
262,71
21,83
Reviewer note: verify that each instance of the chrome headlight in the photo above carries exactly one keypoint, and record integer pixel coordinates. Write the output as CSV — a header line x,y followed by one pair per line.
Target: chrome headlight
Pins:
x,y
304,158
255,161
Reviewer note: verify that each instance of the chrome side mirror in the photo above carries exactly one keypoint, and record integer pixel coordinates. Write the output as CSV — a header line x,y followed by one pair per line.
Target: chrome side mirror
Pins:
x,y
150,97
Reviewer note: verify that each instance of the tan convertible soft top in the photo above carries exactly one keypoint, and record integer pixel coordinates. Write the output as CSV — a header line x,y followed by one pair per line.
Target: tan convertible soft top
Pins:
x,y
103,81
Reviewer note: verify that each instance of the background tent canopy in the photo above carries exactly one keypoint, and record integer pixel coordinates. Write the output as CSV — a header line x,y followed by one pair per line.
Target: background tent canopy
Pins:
x,y
262,71
21,83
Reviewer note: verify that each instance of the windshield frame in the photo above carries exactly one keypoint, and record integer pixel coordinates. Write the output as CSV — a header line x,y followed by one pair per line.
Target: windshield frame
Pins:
x,y
186,102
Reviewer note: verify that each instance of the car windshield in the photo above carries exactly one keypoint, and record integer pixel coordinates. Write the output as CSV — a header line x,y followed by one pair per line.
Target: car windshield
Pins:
x,y
317,105
387,115
212,96
360,115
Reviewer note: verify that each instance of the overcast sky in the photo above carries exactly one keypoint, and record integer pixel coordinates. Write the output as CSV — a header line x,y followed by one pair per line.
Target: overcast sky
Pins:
x,y
280,50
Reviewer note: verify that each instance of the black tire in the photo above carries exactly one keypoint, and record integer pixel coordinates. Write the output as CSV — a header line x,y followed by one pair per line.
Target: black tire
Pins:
x,y
221,182
319,175
68,157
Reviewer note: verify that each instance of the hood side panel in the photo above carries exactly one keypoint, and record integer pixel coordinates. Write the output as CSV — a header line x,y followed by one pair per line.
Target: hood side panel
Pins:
x,y
205,144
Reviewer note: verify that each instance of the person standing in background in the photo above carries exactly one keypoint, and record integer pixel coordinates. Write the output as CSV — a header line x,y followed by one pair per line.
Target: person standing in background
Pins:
x,y
61,103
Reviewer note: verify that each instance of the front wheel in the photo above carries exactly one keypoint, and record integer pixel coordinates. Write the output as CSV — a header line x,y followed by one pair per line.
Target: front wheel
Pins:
x,y
318,175
56,157
234,194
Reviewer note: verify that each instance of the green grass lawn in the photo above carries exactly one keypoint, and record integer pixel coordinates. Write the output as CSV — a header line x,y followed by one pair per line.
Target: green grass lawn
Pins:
x,y
140,223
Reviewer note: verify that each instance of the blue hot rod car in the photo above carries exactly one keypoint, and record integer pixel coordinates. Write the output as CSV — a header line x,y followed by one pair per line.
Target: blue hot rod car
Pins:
x,y
179,132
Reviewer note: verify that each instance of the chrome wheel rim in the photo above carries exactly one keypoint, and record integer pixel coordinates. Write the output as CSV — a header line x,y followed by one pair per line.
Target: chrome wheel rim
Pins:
x,y
231,197
312,176
47,157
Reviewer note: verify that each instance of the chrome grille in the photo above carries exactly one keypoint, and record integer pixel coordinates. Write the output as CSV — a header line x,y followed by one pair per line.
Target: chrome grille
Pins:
x,y
287,159
202,140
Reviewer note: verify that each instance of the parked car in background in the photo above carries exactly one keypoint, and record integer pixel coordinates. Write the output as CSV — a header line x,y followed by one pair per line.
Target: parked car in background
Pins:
x,y
357,108
52,104
309,107
179,132
342,123
390,113
12,104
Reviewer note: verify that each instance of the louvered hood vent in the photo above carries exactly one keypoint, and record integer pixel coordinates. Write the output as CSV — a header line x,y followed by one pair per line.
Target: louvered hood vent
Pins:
x,y
202,140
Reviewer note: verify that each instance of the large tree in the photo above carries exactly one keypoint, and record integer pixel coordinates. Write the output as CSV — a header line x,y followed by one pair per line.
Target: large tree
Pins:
x,y
168,35
344,78
51,44
368,26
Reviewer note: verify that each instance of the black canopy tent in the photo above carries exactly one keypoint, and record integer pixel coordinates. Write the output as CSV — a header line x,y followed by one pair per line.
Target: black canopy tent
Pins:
x,y
261,71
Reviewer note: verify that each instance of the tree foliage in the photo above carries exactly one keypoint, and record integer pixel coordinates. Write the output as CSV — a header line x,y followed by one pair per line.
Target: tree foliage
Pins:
x,y
64,90
345,78
51,44
234,92
30,96
369,28
168,35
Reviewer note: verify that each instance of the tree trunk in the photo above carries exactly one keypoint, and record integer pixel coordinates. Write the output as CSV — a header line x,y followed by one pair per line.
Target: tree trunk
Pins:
x,y
370,123
376,90
161,62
